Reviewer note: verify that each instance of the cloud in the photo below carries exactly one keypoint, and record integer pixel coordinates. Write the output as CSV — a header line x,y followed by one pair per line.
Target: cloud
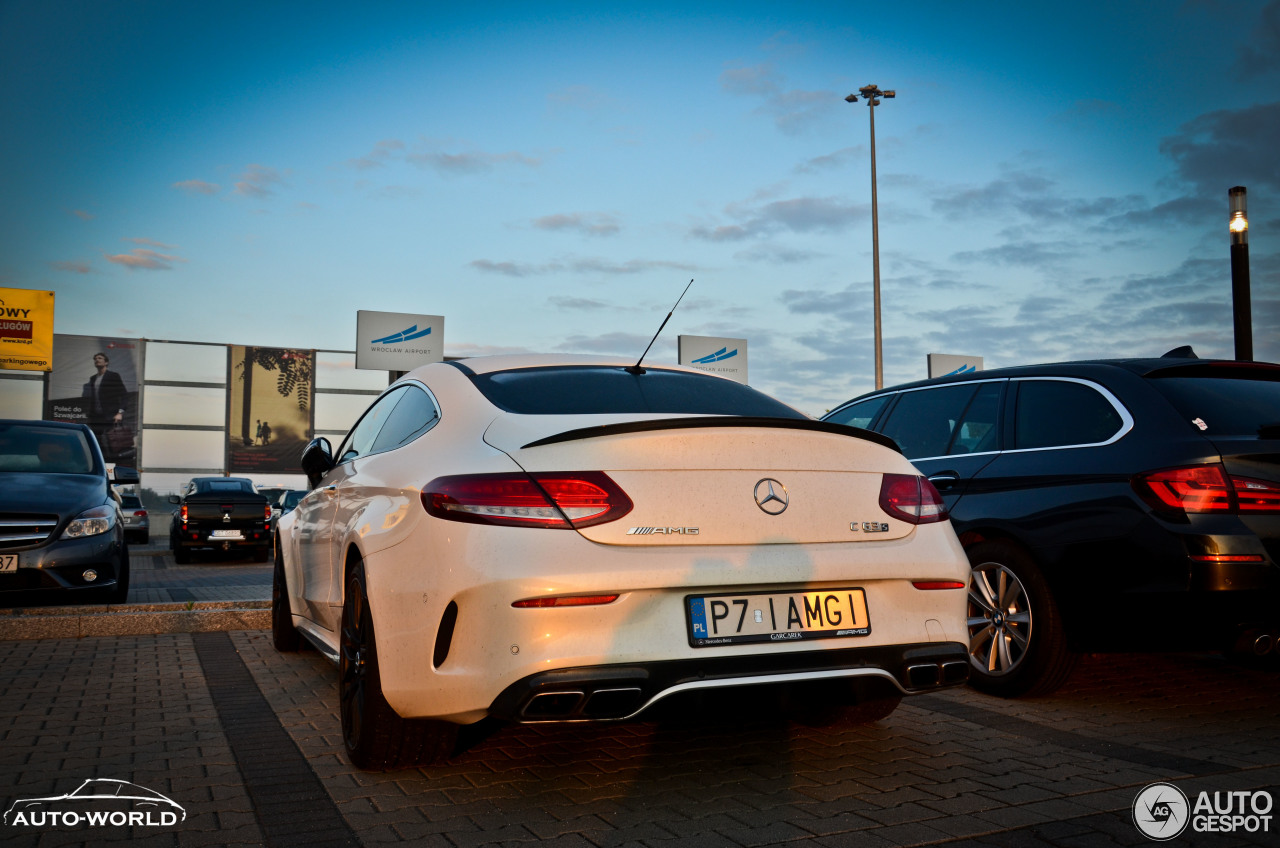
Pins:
x,y
1228,147
581,98
578,265
141,258
470,163
579,303
82,215
258,181
797,215
72,267
588,223
838,160
197,187
1262,55
377,158
620,344
151,243
760,79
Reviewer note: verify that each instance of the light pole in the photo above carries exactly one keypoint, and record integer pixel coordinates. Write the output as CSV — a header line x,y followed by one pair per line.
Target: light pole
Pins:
x,y
1241,310
872,94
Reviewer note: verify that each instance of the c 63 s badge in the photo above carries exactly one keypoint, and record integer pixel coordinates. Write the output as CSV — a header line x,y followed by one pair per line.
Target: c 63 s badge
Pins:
x,y
666,531
869,526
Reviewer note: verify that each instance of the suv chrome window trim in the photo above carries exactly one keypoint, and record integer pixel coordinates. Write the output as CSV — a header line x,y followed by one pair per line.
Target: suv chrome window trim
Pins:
x,y
1126,420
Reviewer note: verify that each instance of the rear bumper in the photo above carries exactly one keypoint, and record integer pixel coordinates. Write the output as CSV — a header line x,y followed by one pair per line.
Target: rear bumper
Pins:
x,y
620,692
196,536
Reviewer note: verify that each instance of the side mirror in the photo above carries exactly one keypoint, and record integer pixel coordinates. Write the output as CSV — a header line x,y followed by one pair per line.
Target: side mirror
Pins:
x,y
125,476
175,499
317,459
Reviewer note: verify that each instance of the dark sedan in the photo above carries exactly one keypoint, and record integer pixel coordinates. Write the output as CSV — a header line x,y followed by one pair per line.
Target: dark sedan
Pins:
x,y
1117,504
61,530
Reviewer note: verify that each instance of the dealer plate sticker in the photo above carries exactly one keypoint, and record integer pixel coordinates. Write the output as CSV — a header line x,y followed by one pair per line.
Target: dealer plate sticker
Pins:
x,y
8,562
782,617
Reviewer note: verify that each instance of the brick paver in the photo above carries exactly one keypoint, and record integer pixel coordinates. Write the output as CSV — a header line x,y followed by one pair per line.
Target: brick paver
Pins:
x,y
956,768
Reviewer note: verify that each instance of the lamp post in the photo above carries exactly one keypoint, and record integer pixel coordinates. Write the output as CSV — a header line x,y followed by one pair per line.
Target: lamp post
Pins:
x,y
1240,308
872,94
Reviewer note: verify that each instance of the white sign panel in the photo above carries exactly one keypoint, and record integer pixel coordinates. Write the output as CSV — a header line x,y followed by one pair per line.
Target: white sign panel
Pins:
x,y
396,341
726,357
947,365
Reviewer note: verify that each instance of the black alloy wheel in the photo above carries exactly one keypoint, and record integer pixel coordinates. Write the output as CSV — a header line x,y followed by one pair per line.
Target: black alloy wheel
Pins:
x,y
375,736
284,635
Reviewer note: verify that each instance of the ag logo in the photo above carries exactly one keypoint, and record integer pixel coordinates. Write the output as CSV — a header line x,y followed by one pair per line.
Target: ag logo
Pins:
x,y
1161,811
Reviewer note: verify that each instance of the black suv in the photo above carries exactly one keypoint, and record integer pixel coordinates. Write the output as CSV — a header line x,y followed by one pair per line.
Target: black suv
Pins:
x,y
61,531
1104,505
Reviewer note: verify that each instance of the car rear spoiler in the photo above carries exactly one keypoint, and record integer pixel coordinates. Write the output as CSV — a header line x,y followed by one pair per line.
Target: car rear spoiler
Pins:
x,y
716,421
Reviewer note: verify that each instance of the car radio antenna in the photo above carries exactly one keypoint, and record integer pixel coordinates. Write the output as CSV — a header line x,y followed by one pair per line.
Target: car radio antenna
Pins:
x,y
636,369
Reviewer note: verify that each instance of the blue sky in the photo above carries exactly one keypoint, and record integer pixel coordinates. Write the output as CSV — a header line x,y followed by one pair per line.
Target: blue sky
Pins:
x,y
1052,181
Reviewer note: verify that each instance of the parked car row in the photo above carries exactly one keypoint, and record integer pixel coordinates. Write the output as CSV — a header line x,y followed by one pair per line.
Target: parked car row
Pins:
x,y
1102,505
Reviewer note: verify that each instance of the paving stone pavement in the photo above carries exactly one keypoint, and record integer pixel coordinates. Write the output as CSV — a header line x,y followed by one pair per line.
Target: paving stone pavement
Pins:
x,y
247,741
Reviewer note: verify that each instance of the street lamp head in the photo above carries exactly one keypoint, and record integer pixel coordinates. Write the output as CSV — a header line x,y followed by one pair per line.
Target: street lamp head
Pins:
x,y
891,94
1239,224
852,98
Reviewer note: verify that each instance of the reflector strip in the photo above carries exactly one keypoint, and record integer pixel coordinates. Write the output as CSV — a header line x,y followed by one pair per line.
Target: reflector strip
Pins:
x,y
568,601
1227,558
938,584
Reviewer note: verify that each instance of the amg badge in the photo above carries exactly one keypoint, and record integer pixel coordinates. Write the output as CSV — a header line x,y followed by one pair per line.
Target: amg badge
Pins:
x,y
648,531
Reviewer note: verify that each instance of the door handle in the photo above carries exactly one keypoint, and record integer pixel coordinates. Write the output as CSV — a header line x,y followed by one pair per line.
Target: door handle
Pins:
x,y
944,479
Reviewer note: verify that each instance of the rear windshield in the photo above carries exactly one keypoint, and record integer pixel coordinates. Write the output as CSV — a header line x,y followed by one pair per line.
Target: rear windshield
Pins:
x,y
1219,406
225,486
587,390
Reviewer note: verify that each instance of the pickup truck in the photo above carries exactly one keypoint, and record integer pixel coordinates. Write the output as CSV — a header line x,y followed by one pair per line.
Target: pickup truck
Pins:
x,y
222,513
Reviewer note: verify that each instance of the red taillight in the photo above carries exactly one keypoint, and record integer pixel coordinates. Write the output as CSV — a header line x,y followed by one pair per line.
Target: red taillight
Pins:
x,y
184,513
939,584
140,513
268,516
911,498
1206,488
569,601
528,500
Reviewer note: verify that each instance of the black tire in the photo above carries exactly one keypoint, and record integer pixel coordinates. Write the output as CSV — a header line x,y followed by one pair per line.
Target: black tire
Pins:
x,y
181,555
119,593
261,554
1017,645
284,635
375,736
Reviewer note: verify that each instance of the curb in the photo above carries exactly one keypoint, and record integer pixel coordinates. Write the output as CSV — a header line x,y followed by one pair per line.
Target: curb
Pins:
x,y
133,619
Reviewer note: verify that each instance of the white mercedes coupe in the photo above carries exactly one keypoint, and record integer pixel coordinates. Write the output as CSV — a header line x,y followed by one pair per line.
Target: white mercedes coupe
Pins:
x,y
570,539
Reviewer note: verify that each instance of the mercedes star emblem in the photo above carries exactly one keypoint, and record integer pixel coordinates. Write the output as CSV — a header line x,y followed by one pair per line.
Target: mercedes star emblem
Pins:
x,y
771,496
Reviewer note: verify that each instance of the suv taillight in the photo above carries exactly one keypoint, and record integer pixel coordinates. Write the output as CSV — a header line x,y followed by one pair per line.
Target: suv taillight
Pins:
x,y
542,499
184,513
1206,488
911,498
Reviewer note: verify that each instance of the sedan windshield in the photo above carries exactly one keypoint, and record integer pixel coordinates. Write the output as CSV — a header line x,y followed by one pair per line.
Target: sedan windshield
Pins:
x,y
49,450
588,390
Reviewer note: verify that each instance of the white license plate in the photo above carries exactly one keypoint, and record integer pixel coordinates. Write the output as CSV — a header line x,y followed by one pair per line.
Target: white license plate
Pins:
x,y
8,562
226,534
785,617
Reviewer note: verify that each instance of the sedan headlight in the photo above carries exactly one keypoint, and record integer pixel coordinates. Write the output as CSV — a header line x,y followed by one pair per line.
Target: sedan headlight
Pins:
x,y
91,522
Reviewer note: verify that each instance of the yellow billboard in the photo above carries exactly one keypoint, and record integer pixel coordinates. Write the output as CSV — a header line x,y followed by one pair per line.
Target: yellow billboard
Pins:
x,y
26,330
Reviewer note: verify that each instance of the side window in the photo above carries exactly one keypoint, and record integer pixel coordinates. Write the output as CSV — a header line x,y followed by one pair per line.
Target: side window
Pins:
x,y
859,414
980,425
360,440
415,414
1055,413
923,420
